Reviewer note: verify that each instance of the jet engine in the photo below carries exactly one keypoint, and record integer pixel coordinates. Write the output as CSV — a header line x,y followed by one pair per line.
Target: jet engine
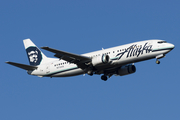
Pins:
x,y
100,60
125,70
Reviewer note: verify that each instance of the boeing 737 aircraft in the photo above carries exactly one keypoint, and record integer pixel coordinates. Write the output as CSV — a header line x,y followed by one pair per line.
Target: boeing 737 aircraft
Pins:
x,y
117,61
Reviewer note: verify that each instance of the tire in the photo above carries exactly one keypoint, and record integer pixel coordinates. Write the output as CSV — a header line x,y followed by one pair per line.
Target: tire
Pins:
x,y
157,62
104,77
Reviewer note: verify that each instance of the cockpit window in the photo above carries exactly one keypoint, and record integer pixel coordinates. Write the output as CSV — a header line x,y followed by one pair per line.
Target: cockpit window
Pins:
x,y
162,42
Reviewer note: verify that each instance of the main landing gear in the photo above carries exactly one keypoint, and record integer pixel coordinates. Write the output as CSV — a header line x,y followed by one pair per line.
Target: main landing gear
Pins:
x,y
90,72
104,77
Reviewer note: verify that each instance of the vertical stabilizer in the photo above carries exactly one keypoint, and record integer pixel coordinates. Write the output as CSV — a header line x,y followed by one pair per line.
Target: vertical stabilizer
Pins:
x,y
35,56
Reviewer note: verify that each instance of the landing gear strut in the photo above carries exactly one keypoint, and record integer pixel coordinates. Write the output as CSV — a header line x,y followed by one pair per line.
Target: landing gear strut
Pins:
x,y
159,57
104,77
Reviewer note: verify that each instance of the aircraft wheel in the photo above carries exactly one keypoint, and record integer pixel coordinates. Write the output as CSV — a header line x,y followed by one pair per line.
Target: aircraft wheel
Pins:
x,y
90,72
104,77
157,62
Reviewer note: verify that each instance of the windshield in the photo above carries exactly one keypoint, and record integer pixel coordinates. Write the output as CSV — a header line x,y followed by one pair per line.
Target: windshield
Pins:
x,y
162,42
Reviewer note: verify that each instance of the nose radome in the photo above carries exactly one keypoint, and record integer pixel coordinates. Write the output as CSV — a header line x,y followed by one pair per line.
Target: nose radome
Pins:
x,y
171,45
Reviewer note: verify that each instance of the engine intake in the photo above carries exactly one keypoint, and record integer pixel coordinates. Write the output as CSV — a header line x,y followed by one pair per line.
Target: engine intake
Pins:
x,y
125,70
100,60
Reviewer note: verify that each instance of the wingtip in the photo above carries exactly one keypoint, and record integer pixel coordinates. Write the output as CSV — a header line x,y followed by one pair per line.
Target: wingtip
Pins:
x,y
44,47
7,62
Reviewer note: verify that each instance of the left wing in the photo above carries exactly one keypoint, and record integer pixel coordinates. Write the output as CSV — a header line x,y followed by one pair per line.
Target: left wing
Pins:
x,y
70,57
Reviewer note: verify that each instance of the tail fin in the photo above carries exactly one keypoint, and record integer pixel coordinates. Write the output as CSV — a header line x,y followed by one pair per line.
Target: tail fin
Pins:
x,y
35,56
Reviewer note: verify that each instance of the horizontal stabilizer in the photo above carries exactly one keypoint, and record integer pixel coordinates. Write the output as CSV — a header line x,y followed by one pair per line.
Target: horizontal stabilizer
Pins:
x,y
22,66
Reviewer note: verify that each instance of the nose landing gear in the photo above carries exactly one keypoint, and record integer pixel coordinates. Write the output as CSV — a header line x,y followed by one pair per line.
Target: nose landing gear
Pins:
x,y
157,61
159,57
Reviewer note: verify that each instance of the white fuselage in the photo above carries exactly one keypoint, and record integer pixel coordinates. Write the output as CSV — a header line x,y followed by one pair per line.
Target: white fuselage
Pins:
x,y
119,56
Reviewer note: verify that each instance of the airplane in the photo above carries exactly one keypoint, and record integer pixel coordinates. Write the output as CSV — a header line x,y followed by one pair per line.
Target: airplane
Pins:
x,y
118,61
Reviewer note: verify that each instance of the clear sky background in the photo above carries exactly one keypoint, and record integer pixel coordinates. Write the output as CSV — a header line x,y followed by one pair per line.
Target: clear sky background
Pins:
x,y
152,93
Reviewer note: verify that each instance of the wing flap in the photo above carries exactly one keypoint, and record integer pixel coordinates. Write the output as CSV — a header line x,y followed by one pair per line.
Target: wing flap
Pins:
x,y
22,66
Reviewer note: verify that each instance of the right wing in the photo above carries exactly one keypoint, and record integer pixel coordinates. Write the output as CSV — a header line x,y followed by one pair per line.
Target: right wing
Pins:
x,y
22,66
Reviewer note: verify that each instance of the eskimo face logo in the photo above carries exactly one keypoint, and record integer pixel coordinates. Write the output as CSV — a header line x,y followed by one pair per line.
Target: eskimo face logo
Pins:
x,y
34,55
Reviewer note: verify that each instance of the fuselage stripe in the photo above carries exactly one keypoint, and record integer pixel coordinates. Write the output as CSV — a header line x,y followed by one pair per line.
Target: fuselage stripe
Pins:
x,y
162,49
60,71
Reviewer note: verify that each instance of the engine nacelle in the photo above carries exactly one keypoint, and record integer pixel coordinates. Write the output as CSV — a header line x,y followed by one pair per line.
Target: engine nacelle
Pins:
x,y
125,70
100,60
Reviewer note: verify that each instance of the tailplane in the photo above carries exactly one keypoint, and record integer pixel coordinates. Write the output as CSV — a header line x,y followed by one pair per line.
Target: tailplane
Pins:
x,y
22,66
35,56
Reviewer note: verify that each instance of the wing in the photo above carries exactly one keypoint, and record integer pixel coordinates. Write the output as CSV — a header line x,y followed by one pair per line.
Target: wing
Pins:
x,y
22,66
70,57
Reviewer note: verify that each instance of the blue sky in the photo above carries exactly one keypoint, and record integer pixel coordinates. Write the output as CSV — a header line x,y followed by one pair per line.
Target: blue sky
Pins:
x,y
83,26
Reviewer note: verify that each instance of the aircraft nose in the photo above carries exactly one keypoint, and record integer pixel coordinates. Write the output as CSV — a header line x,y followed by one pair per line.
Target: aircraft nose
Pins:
x,y
171,46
